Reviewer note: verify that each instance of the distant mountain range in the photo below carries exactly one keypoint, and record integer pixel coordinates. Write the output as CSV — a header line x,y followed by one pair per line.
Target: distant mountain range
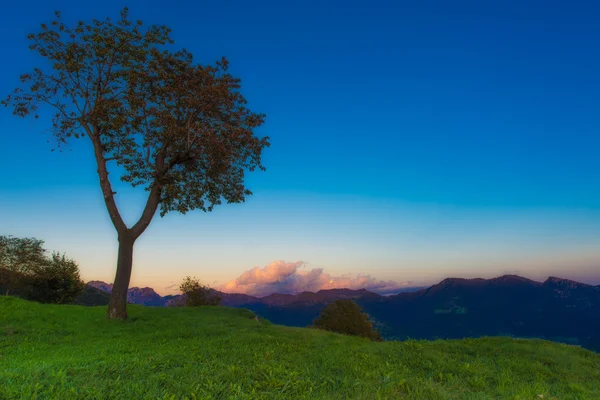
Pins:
x,y
148,297
557,309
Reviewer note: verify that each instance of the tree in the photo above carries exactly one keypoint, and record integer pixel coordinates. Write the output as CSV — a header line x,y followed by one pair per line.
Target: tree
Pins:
x,y
180,130
19,257
56,281
345,316
196,294
26,269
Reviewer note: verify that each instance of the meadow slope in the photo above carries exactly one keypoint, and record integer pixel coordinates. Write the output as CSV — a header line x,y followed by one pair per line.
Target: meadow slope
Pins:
x,y
72,352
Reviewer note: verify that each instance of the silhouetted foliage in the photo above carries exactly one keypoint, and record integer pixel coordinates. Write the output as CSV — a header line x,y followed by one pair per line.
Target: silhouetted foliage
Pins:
x,y
19,257
345,316
179,129
25,270
196,294
56,281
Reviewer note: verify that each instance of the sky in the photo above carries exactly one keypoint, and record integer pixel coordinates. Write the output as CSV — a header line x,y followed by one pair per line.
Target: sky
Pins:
x,y
410,141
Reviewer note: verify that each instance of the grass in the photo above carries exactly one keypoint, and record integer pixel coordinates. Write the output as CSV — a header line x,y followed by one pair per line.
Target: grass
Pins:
x,y
72,352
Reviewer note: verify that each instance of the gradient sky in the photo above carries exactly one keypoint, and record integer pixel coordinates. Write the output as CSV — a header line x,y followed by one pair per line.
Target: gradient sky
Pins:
x,y
411,141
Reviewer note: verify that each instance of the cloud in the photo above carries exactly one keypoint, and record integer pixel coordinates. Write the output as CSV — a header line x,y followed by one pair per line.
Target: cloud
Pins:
x,y
290,278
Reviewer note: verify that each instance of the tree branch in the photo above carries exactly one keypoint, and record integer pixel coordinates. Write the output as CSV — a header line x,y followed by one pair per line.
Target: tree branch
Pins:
x,y
149,210
107,190
154,196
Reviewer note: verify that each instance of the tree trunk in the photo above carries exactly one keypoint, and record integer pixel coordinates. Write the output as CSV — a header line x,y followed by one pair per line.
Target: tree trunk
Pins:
x,y
117,306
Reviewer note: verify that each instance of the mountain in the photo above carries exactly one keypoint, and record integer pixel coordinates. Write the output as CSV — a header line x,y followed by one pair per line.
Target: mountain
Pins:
x,y
92,296
148,297
556,309
173,300
236,299
145,296
135,295
322,296
105,287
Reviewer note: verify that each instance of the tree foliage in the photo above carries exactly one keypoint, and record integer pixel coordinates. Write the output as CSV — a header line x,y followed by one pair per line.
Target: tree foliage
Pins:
x,y
27,271
345,316
174,126
195,294
19,258
56,281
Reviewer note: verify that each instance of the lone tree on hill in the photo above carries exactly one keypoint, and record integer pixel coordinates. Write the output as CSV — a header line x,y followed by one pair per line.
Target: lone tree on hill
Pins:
x,y
345,316
179,129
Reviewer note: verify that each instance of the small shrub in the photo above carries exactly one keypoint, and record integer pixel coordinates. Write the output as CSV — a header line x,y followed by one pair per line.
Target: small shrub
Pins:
x,y
196,294
345,316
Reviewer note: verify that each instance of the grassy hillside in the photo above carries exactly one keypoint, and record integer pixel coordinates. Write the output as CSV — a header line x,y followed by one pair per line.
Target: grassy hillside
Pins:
x,y
72,352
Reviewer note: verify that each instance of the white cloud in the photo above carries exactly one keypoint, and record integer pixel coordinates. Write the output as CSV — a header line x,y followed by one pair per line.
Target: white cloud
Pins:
x,y
288,277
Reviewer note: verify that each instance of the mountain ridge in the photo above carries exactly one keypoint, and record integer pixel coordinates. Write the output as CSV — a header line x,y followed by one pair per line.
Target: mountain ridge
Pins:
x,y
556,309
146,295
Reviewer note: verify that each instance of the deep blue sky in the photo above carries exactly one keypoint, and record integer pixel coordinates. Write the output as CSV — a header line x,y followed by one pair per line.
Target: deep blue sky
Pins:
x,y
410,141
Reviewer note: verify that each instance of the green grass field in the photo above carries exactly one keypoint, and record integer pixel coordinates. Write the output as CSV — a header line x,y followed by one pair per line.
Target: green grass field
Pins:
x,y
72,352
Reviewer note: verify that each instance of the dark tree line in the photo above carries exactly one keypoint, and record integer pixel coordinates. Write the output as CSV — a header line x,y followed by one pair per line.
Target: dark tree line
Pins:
x,y
27,271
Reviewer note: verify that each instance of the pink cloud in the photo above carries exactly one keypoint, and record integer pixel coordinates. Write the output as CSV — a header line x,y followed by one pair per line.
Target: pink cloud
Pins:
x,y
288,277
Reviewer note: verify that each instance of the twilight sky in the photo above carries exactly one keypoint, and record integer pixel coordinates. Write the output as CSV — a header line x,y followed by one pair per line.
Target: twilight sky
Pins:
x,y
411,141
